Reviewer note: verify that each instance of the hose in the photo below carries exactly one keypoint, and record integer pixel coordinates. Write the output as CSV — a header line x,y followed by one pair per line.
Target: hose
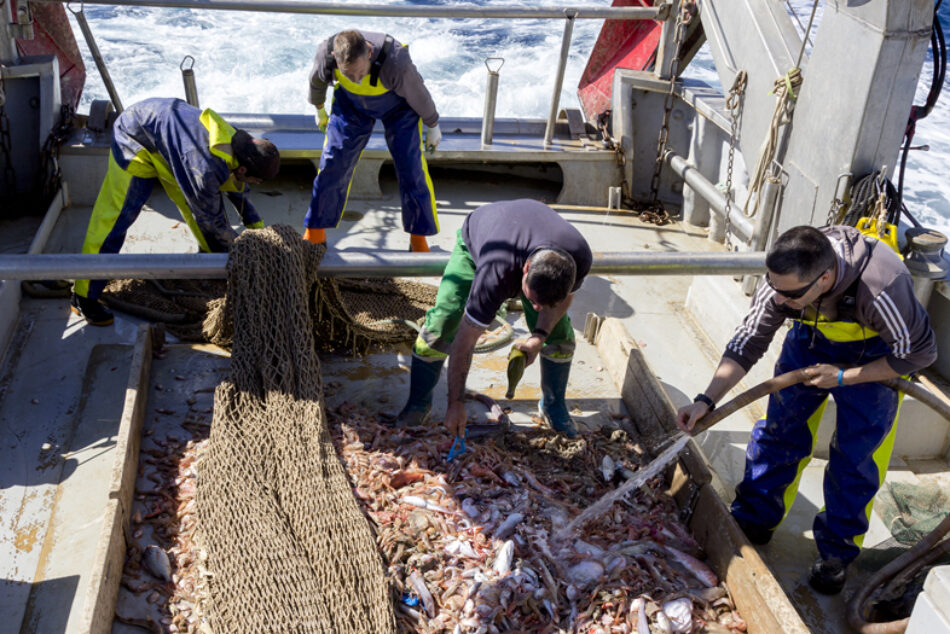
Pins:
x,y
929,549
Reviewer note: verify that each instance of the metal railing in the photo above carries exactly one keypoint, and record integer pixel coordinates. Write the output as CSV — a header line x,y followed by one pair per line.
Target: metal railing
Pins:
x,y
569,14
344,264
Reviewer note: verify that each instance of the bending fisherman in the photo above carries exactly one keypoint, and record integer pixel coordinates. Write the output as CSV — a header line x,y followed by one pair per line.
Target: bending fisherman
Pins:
x,y
517,248
196,156
375,79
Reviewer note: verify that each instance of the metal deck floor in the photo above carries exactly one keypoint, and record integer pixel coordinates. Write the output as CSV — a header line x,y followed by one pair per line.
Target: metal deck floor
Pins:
x,y
652,309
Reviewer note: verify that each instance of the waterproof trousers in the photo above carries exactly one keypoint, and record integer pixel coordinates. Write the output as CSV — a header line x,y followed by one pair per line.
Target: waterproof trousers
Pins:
x,y
443,320
117,206
352,117
782,445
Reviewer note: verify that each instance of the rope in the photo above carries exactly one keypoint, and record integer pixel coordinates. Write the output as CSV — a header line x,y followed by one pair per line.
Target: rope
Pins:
x,y
785,89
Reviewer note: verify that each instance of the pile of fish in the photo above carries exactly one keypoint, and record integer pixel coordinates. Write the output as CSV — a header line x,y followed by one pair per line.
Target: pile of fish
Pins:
x,y
165,578
473,545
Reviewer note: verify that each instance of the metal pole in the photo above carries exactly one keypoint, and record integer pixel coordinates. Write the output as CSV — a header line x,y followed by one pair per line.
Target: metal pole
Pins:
x,y
559,80
97,56
710,193
395,11
188,77
345,264
491,97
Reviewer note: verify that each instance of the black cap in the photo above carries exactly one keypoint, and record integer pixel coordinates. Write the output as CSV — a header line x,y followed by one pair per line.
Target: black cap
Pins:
x,y
258,156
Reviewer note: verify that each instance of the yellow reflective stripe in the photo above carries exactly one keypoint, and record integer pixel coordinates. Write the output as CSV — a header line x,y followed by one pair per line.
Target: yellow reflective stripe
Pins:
x,y
105,213
220,132
841,331
363,88
422,349
425,170
789,496
882,458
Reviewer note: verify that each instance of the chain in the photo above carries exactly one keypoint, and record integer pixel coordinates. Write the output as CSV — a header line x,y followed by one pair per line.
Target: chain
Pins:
x,y
734,104
53,175
9,176
655,211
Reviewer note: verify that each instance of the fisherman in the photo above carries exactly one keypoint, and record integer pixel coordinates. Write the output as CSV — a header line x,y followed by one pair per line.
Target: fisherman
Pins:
x,y
855,322
375,79
196,156
517,248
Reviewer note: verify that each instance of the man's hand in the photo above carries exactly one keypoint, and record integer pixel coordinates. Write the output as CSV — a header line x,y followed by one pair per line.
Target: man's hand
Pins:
x,y
322,119
531,347
456,418
688,415
433,138
823,375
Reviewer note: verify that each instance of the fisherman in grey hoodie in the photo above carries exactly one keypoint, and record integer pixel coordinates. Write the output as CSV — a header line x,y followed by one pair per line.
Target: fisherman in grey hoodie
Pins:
x,y
856,321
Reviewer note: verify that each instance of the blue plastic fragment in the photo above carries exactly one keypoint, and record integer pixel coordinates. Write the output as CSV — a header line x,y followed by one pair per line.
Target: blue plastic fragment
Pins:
x,y
410,600
458,448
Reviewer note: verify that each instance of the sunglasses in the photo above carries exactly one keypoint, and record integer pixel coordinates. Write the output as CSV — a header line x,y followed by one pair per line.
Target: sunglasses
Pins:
x,y
798,292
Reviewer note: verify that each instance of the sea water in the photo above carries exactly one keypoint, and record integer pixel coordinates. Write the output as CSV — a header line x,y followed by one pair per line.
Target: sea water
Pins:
x,y
259,63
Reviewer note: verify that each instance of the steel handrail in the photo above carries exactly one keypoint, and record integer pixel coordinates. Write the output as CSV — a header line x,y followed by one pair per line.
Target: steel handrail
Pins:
x,y
398,11
348,264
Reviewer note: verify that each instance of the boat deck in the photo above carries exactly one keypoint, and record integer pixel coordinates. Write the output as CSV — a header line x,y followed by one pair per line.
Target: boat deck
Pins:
x,y
64,383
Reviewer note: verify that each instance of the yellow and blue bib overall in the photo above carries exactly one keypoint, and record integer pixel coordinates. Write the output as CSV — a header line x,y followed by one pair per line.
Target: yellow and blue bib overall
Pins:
x,y
782,443
168,141
354,112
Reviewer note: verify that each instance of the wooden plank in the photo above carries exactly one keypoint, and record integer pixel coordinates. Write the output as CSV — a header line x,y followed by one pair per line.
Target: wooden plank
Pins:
x,y
98,609
758,596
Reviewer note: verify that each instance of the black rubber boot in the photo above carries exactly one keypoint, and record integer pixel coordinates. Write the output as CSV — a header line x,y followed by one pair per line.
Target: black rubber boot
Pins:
x,y
552,407
91,310
827,575
422,381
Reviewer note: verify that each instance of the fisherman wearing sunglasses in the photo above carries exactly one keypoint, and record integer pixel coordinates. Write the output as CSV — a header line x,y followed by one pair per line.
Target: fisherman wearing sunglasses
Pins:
x,y
855,321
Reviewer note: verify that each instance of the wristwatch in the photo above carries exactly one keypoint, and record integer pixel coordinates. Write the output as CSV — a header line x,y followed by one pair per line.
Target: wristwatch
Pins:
x,y
702,398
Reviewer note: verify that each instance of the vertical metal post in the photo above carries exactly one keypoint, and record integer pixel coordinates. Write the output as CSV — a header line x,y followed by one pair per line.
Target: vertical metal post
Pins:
x,y
97,56
664,50
188,77
8,53
491,97
559,80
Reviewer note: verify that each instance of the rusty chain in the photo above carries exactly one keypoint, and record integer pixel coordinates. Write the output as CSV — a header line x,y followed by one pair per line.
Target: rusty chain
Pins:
x,y
734,103
654,212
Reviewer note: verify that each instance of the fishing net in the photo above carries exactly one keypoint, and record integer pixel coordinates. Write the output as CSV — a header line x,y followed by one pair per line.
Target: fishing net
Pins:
x,y
911,511
288,547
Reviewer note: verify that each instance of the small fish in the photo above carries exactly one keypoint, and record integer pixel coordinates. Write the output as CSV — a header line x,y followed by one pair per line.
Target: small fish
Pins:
x,y
640,605
608,468
469,508
508,527
585,572
423,503
424,595
700,570
503,559
156,562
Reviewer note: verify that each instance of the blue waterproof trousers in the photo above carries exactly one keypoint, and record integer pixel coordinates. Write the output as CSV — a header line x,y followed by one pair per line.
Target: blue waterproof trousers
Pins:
x,y
782,444
352,117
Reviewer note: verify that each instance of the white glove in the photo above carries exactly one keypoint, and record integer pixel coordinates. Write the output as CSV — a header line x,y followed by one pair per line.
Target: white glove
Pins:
x,y
321,118
433,138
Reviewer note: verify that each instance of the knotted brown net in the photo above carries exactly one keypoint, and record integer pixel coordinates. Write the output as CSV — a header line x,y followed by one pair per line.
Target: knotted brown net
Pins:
x,y
288,547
